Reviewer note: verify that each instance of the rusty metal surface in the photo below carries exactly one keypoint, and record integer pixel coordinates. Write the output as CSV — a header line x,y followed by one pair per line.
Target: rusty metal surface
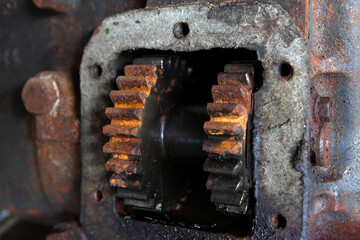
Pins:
x,y
51,97
280,128
335,66
33,40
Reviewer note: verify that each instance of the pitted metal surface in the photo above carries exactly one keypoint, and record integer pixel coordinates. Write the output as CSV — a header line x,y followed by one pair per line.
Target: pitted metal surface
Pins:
x,y
280,139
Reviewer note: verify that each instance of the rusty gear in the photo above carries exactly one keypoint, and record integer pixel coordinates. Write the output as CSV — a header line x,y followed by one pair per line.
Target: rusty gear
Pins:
x,y
226,145
126,120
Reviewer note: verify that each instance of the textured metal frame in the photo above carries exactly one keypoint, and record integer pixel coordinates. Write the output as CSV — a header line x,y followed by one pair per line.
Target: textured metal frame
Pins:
x,y
280,129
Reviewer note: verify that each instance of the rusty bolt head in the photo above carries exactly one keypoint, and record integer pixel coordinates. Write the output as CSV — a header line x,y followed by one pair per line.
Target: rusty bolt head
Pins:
x,y
323,109
323,146
40,93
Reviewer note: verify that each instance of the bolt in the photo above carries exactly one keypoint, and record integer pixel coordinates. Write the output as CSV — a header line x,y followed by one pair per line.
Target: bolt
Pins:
x,y
323,109
323,146
40,93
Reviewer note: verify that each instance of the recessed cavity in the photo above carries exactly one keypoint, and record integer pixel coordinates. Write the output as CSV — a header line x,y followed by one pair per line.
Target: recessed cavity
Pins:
x,y
96,71
97,196
285,70
181,30
279,221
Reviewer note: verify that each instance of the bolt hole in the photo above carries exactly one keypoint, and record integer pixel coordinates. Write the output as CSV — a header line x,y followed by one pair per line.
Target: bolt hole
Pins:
x,y
285,70
181,30
313,158
279,221
98,196
96,71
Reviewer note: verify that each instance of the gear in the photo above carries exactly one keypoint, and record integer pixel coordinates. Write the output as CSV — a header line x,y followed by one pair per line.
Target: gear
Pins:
x,y
124,130
226,145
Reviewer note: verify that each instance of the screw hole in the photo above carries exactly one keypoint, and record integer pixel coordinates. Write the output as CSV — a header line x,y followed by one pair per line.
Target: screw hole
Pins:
x,y
279,221
98,196
181,30
285,70
313,158
96,71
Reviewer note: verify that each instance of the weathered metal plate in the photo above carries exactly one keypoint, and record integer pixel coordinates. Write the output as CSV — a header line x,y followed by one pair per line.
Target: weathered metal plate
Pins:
x,y
280,124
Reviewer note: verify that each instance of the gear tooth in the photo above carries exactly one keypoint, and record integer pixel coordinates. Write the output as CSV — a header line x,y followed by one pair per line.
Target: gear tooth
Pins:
x,y
238,200
126,180
117,180
121,166
232,94
123,145
223,129
134,180
230,165
128,99
225,183
134,83
219,146
235,78
124,113
121,149
107,148
116,130
220,111
143,70
137,194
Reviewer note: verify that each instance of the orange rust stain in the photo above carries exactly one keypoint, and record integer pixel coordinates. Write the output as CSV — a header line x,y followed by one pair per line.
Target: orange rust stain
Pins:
x,y
117,183
232,119
29,212
33,212
121,156
356,18
126,123
331,11
307,19
231,146
315,63
216,132
125,140
98,29
130,105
